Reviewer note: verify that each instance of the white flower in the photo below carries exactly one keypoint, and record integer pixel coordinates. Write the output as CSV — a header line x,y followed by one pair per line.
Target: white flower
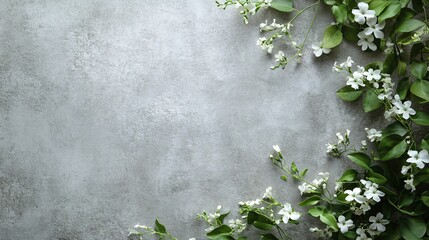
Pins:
x,y
363,142
345,225
409,184
403,108
288,213
418,158
191,238
140,226
372,74
273,26
366,42
361,234
373,193
331,148
348,63
405,169
277,148
279,56
318,49
325,175
355,80
374,27
363,13
354,195
306,188
268,193
378,222
373,134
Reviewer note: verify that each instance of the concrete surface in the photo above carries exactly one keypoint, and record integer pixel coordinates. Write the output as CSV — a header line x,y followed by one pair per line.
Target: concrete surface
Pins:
x,y
116,112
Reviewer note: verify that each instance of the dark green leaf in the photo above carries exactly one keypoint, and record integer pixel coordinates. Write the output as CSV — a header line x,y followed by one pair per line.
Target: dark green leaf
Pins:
x,y
269,236
159,227
349,94
406,198
402,68
405,14
361,159
403,87
282,5
395,128
421,118
390,63
409,25
418,5
425,143
371,101
392,147
377,178
412,228
332,37
350,33
222,230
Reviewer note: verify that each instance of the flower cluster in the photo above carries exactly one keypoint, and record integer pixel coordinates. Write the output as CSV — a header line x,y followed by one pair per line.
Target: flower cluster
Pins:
x,y
379,83
361,198
416,160
246,7
363,15
318,185
373,135
337,149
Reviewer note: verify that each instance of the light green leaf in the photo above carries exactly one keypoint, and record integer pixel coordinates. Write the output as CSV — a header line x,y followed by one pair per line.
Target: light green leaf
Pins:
x,y
419,69
361,159
425,143
391,11
340,13
420,88
349,94
421,118
329,219
409,25
348,176
282,5
316,211
332,37
371,101
313,200
377,178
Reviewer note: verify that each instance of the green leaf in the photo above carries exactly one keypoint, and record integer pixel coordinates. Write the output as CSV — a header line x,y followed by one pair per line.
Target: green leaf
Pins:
x,y
425,143
402,68
253,217
405,14
348,176
390,63
262,225
418,5
313,200
332,37
223,216
378,6
350,33
403,87
282,5
349,94
377,178
415,50
392,147
412,228
409,25
425,198
159,227
421,118
391,11
316,211
406,198
420,88
419,69
361,159
395,128
329,219
222,230
340,13
371,101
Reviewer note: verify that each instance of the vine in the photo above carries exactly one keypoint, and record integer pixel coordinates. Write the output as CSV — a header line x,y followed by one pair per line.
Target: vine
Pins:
x,y
386,196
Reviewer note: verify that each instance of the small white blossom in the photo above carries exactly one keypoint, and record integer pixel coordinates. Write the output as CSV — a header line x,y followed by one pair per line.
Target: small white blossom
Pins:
x,y
279,56
405,169
377,222
372,74
277,148
288,213
306,188
345,225
366,41
374,27
268,193
363,13
318,50
418,158
403,109
354,195
409,184
373,134
361,235
355,80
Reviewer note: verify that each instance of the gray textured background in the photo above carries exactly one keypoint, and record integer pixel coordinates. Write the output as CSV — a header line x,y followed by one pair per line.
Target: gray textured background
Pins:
x,y
118,112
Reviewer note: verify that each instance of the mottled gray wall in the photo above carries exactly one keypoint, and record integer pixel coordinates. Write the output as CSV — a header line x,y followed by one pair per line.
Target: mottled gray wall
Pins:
x,y
117,112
